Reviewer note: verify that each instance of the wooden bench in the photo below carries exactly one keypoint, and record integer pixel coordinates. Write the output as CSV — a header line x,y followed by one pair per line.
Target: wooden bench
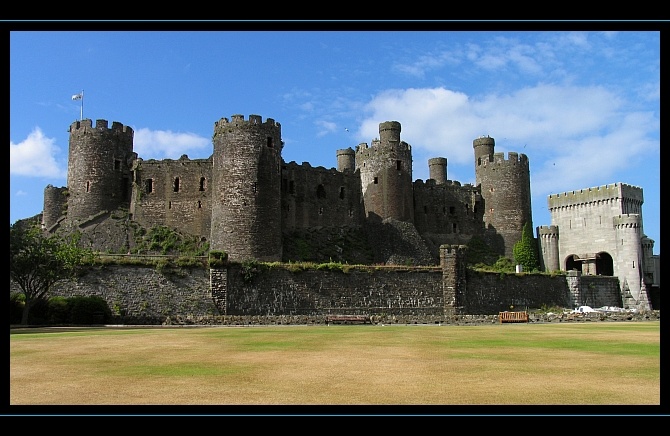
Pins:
x,y
348,319
513,317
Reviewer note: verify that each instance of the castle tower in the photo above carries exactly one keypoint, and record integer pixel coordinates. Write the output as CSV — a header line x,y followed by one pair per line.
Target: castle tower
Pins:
x,y
505,188
386,175
346,160
55,200
453,264
628,266
246,180
548,248
437,168
99,175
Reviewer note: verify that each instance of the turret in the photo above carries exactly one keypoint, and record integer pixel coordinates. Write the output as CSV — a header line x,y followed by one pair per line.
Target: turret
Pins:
x,y
437,168
55,200
548,248
99,174
346,160
246,197
628,266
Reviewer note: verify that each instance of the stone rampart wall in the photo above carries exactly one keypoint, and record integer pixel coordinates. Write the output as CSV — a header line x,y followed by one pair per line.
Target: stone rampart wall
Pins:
x,y
241,294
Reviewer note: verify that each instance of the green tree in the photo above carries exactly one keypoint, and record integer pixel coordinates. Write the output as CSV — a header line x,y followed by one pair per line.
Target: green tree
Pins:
x,y
37,261
525,251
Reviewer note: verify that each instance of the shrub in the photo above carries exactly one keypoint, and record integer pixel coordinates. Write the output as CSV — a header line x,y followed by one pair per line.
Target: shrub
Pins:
x,y
218,259
89,310
16,303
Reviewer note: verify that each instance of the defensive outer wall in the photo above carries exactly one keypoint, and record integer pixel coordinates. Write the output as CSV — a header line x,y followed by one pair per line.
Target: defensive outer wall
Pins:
x,y
238,294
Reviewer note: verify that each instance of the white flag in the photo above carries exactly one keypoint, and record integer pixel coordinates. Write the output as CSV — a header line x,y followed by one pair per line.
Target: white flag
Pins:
x,y
78,96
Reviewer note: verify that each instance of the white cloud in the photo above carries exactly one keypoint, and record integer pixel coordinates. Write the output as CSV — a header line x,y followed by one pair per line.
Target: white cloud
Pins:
x,y
161,144
573,136
35,156
325,127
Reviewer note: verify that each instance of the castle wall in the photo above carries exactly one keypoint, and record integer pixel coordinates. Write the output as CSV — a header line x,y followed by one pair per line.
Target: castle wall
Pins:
x,y
146,295
174,193
449,212
318,197
99,162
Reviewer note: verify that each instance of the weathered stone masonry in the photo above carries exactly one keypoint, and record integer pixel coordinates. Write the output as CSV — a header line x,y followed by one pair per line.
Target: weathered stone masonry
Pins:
x,y
423,294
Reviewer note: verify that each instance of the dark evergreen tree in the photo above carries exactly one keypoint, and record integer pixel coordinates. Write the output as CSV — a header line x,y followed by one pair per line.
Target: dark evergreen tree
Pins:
x,y
525,251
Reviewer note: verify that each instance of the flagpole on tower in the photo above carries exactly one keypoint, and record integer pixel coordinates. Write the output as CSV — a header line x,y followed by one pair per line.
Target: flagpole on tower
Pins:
x,y
80,96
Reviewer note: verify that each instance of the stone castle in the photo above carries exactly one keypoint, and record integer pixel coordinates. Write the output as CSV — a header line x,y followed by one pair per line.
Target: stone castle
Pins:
x,y
245,200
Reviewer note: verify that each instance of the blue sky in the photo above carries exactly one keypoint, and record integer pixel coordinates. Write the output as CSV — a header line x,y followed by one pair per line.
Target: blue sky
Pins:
x,y
584,106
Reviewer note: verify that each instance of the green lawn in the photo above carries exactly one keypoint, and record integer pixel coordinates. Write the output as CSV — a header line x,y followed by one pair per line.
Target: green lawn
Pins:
x,y
602,363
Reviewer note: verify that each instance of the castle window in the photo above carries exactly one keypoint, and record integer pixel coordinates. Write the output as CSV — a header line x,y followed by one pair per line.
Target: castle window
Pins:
x,y
270,142
199,204
117,164
169,205
149,185
376,180
341,192
320,211
454,228
398,165
425,209
320,192
176,184
202,183
88,186
452,210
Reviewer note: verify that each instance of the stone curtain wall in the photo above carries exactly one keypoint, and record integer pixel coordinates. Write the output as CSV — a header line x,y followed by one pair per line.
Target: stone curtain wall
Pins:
x,y
146,295
366,292
490,293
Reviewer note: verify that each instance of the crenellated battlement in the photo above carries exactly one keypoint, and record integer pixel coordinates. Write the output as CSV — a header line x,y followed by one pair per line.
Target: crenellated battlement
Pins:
x,y
628,220
86,126
430,182
238,120
613,191
513,158
547,231
364,149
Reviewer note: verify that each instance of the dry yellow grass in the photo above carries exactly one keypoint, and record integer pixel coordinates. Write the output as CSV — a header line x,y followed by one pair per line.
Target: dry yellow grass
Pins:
x,y
516,364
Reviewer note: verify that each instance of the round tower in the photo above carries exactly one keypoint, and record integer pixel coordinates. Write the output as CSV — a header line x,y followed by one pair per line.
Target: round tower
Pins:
x,y
484,147
386,175
437,168
346,160
628,265
246,180
55,200
548,248
505,190
99,174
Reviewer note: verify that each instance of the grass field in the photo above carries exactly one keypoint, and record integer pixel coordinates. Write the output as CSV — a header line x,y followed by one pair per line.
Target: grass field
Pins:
x,y
509,364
